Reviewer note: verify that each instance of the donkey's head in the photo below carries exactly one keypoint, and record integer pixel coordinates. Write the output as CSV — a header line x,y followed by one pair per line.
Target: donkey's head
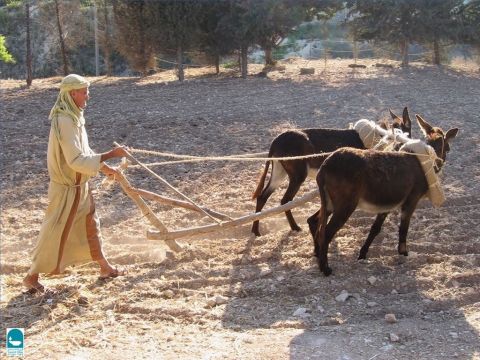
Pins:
x,y
436,137
403,123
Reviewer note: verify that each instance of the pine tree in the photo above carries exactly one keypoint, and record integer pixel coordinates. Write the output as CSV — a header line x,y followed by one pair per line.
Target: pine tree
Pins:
x,y
28,60
470,19
177,24
275,19
438,22
135,41
213,40
393,21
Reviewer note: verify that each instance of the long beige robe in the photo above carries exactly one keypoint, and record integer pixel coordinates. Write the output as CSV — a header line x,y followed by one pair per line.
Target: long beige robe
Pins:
x,y
63,239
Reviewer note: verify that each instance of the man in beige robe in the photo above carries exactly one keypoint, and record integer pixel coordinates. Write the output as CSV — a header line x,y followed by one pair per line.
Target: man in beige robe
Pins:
x,y
70,233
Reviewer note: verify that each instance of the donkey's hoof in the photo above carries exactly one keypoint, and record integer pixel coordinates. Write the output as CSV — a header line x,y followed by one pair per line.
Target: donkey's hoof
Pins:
x,y
362,256
327,271
402,249
256,232
296,228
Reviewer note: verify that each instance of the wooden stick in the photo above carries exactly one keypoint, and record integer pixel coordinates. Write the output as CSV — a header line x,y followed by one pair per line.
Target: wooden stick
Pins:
x,y
135,161
155,235
146,211
174,202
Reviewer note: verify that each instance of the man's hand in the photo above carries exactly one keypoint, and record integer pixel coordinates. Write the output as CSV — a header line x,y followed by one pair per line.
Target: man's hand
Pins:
x,y
108,171
120,151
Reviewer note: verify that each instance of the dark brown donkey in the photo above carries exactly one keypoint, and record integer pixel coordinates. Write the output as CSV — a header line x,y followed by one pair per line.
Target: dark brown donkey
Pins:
x,y
374,181
306,142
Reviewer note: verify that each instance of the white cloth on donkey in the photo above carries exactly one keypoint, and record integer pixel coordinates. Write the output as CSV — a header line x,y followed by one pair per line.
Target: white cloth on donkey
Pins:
x,y
373,136
427,157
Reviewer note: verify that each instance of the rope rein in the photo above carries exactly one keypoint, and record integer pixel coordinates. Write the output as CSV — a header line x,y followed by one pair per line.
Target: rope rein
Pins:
x,y
178,156
245,157
238,158
383,142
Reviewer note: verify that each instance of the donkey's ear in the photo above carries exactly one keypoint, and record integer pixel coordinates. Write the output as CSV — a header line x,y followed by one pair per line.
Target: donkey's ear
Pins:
x,y
407,123
451,134
426,128
394,117
397,121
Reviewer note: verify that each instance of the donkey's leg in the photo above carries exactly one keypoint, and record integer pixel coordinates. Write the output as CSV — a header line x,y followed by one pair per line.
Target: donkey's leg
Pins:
x,y
261,201
276,178
296,179
313,226
408,208
338,219
312,222
374,230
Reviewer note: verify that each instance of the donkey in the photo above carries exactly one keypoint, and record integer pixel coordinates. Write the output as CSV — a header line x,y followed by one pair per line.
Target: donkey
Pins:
x,y
306,142
375,181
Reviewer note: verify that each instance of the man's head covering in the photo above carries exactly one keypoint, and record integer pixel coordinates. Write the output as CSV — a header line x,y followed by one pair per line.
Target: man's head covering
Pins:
x,y
73,82
65,104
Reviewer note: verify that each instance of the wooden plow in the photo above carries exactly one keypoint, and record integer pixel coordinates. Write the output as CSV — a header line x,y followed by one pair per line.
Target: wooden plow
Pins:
x,y
222,221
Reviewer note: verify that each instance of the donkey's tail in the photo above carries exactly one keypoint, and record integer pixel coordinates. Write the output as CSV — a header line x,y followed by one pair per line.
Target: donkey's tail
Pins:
x,y
261,182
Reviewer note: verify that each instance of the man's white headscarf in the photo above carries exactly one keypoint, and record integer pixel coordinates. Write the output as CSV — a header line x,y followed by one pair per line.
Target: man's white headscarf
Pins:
x,y
65,104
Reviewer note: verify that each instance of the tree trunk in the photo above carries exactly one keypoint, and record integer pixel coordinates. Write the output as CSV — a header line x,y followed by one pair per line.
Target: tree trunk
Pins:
x,y
404,46
29,47
107,47
268,56
217,64
436,52
180,72
97,52
62,41
244,61
143,63
355,51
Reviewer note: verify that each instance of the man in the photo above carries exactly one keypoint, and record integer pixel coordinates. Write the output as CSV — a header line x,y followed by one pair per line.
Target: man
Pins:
x,y
70,233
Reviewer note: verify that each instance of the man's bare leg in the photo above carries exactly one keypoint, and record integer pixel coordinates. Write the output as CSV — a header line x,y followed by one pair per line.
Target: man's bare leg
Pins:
x,y
31,283
107,270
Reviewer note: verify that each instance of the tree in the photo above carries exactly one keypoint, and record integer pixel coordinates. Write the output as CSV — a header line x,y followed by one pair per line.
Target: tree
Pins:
x,y
28,59
5,56
61,38
275,19
470,18
135,40
12,43
213,41
67,34
106,37
438,21
393,21
178,27
239,22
